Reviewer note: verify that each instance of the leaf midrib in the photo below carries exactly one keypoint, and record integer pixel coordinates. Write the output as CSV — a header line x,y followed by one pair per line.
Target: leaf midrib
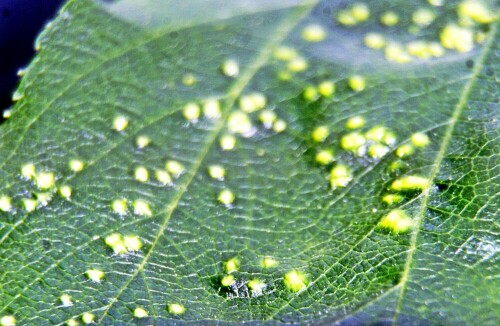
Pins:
x,y
130,46
457,112
233,93
451,124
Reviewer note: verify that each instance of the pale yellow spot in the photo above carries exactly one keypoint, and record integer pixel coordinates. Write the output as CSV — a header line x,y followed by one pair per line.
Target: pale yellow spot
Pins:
x,y
457,38
216,172
253,102
21,72
120,249
419,49
396,165
29,204
284,75
389,138
344,17
477,11
405,150
119,206
392,199
141,174
423,17
227,142
113,239
420,139
352,141
115,242
374,40
376,133
163,177
44,198
76,165
295,280
269,262
45,180
5,203
436,3
65,191
140,312
191,112
66,300
436,50
28,171
324,157
142,142
142,208
360,12
226,197
189,79
230,68
310,93
396,221
377,150
7,114
297,64
88,317
95,275
480,37
120,123
175,168
357,83
326,88
257,286
227,280
176,309
238,122
285,53
320,133
132,242
395,52
410,183
8,320
72,322
355,122
211,109
17,96
279,126
267,118
314,33
340,176
232,265
389,18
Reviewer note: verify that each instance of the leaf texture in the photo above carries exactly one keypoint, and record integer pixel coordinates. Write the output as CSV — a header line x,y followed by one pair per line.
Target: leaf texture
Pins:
x,y
145,61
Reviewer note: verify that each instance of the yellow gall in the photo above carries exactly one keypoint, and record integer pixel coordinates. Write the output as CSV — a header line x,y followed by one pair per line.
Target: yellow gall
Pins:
x,y
389,18
295,280
357,83
226,197
314,33
120,123
355,122
420,139
230,68
396,221
320,133
326,88
324,157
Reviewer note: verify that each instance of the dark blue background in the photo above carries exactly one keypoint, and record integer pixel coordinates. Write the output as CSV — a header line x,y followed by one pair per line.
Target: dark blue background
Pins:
x,y
20,23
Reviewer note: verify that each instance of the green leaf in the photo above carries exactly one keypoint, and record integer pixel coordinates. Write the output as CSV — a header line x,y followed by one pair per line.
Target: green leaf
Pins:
x,y
343,254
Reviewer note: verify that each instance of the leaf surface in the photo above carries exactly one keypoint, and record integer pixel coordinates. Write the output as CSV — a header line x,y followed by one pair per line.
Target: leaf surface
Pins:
x,y
97,62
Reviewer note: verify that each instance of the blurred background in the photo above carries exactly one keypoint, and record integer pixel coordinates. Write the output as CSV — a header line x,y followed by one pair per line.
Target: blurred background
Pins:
x,y
20,23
